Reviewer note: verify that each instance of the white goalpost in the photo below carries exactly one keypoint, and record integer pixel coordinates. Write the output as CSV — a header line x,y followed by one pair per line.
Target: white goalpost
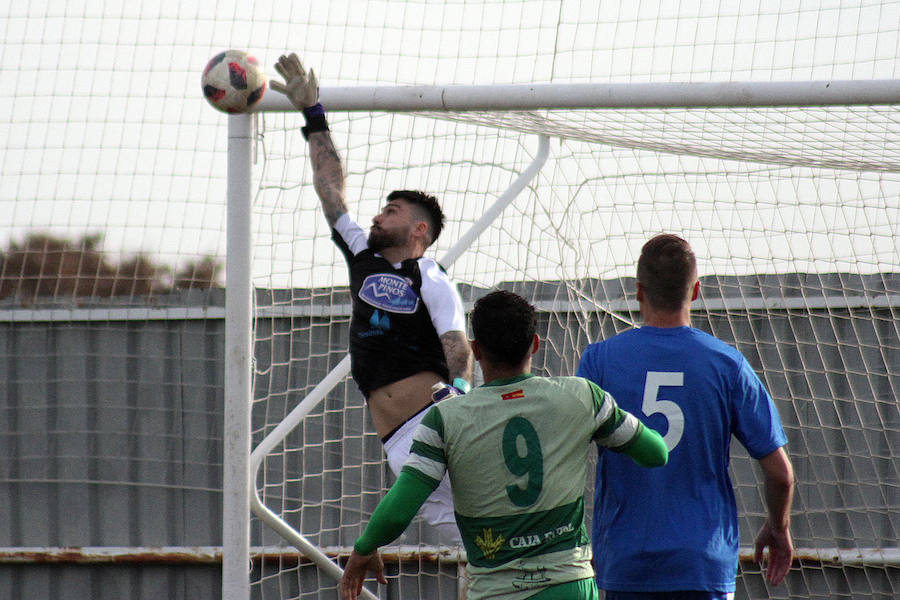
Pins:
x,y
788,190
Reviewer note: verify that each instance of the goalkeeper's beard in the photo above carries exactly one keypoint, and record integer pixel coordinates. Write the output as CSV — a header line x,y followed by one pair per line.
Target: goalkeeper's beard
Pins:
x,y
379,239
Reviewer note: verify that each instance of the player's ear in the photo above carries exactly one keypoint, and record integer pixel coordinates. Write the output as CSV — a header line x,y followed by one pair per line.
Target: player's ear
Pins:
x,y
420,230
640,292
695,293
535,344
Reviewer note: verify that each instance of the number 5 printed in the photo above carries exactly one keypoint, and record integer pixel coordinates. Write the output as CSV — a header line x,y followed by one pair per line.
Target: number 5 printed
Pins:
x,y
670,410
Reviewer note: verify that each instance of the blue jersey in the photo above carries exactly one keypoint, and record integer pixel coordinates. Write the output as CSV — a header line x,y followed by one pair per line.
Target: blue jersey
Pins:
x,y
675,528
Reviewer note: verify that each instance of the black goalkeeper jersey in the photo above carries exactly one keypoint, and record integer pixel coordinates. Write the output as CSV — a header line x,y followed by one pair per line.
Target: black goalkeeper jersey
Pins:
x,y
391,333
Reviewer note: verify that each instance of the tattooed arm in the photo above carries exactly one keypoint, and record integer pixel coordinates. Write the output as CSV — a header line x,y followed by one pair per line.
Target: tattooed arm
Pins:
x,y
328,175
458,354
302,88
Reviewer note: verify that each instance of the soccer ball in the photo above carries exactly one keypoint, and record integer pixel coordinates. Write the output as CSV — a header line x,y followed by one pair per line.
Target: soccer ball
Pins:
x,y
233,81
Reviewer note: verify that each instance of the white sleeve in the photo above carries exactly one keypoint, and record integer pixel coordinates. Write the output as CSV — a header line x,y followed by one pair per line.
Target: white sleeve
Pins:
x,y
354,235
442,298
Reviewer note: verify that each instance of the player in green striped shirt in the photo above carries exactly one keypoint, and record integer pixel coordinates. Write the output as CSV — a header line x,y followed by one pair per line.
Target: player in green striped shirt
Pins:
x,y
516,449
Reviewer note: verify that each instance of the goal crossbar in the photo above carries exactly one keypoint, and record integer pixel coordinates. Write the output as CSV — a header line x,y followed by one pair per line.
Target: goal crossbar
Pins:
x,y
461,98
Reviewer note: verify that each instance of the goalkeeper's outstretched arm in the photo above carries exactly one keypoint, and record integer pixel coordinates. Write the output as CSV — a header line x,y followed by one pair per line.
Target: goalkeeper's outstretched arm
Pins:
x,y
328,175
302,89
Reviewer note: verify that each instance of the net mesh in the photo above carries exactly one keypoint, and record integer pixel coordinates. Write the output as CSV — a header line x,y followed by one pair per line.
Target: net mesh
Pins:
x,y
794,226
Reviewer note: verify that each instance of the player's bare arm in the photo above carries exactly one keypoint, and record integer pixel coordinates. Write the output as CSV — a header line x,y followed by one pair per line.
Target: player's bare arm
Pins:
x,y
302,89
458,354
328,175
355,573
775,534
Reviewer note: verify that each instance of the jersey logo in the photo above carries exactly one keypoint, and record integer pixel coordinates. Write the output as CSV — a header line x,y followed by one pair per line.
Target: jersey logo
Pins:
x,y
513,395
488,544
389,292
380,321
528,579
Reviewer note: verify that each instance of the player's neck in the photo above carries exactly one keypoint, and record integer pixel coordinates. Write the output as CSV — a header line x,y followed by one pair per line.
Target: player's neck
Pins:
x,y
493,372
397,254
665,318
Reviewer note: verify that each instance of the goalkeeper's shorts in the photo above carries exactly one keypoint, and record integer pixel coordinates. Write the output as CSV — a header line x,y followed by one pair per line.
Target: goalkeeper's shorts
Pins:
x,y
438,509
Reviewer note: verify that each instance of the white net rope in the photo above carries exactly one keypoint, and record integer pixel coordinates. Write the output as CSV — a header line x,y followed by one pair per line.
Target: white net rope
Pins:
x,y
860,138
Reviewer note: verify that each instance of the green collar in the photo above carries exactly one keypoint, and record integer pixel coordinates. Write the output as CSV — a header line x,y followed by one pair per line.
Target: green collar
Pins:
x,y
507,380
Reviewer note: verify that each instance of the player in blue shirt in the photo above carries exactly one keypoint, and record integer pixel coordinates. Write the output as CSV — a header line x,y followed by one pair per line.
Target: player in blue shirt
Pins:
x,y
672,533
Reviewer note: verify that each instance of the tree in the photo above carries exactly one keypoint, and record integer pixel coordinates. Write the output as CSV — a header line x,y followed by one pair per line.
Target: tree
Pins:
x,y
45,266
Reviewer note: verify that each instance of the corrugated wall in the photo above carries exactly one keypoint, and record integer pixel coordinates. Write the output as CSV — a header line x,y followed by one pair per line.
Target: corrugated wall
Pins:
x,y
110,435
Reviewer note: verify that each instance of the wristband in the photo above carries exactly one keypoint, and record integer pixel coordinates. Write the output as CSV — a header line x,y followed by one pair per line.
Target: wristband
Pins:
x,y
462,385
316,110
315,120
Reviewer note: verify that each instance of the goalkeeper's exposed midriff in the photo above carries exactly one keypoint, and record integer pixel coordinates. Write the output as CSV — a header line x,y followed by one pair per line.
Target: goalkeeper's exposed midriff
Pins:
x,y
407,327
392,405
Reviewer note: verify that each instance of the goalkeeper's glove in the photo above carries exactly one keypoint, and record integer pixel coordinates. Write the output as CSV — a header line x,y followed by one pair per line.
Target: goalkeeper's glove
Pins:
x,y
442,391
302,89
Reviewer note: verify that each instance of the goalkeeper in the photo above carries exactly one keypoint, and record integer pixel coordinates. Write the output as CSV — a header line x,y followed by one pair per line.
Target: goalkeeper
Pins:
x,y
516,450
407,328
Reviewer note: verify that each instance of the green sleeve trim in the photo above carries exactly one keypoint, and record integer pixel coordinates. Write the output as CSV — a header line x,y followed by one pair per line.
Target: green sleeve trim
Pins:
x,y
647,448
394,513
431,482
614,419
429,452
598,395
434,420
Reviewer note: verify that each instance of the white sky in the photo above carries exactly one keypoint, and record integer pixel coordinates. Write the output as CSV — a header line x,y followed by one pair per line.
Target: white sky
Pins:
x,y
106,129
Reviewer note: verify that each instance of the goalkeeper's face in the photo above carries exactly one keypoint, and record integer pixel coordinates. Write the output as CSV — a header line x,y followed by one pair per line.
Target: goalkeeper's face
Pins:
x,y
393,227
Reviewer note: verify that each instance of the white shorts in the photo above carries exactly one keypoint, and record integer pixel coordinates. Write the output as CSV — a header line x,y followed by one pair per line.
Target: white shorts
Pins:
x,y
438,508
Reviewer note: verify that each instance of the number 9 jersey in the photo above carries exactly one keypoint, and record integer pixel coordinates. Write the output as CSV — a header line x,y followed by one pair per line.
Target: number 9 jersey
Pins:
x,y
517,453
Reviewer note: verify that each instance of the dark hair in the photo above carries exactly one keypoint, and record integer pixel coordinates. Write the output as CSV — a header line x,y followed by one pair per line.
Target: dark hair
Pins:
x,y
667,269
428,207
503,324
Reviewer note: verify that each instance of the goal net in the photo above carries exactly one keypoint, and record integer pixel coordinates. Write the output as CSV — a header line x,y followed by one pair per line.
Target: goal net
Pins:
x,y
793,213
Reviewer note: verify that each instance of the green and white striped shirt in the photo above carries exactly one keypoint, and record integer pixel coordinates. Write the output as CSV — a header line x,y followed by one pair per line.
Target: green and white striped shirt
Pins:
x,y
517,454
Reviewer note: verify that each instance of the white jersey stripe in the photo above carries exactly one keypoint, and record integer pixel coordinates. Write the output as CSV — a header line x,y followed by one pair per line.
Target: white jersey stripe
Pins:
x,y
622,434
432,468
429,437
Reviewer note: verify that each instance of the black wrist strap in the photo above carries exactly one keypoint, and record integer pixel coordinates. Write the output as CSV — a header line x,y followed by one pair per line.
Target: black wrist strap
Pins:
x,y
315,120
314,124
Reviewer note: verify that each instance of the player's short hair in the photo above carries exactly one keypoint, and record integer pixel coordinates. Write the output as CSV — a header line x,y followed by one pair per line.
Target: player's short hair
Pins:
x,y
667,270
428,208
503,324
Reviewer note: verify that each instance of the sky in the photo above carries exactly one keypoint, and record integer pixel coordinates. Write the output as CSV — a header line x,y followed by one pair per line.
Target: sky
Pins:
x,y
106,131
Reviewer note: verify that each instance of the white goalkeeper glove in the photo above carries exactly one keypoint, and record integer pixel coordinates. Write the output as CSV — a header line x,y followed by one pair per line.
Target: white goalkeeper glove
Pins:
x,y
442,391
301,88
